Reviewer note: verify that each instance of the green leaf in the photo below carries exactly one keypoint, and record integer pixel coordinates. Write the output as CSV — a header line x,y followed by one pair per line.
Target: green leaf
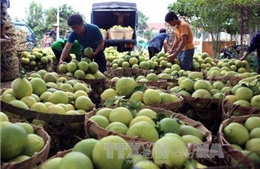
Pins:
x,y
109,102
175,75
127,163
160,116
135,105
244,85
133,111
140,88
256,92
22,73
119,97
190,164
159,131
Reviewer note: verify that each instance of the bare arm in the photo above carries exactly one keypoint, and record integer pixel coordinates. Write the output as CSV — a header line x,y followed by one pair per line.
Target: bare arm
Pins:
x,y
183,41
181,45
174,46
165,46
245,55
65,52
100,46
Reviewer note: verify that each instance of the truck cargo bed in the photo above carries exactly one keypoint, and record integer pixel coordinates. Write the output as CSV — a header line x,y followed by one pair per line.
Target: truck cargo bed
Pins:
x,y
104,16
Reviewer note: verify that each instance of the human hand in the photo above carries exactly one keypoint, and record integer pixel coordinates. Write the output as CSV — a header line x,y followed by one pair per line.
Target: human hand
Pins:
x,y
242,58
171,57
92,55
59,63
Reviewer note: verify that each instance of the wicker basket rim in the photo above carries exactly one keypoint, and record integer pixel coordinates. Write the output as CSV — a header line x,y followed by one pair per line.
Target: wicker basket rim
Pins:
x,y
58,154
86,81
88,123
129,30
36,158
174,105
160,82
200,100
237,155
116,29
112,72
232,78
229,107
42,116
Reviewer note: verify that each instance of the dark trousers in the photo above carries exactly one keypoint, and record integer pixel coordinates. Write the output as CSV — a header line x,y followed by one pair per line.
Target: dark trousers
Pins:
x,y
258,65
100,59
57,54
152,51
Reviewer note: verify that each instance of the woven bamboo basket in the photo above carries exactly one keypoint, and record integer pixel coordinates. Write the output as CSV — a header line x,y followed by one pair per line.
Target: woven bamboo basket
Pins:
x,y
108,34
161,84
58,154
90,125
35,159
31,114
59,126
38,66
104,34
10,66
232,155
127,72
97,87
225,79
146,146
171,85
203,101
117,33
229,109
89,82
94,82
175,106
207,111
128,34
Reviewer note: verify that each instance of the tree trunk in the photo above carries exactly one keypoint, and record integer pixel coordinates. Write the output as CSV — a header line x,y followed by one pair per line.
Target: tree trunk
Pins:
x,y
241,24
216,43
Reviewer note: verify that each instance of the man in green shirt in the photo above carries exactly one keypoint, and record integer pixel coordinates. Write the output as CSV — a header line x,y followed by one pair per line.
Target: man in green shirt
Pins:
x,y
58,46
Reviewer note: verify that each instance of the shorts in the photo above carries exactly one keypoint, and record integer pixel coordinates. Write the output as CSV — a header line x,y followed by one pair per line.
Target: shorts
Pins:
x,y
186,59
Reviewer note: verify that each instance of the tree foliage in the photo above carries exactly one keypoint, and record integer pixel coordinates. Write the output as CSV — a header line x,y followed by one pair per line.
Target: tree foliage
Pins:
x,y
231,16
149,34
142,22
35,18
51,18
41,20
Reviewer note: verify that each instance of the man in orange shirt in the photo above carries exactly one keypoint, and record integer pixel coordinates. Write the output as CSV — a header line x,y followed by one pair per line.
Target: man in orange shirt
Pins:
x,y
183,47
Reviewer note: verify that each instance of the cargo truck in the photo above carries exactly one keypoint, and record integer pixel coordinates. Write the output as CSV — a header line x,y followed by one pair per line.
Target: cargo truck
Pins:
x,y
108,14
